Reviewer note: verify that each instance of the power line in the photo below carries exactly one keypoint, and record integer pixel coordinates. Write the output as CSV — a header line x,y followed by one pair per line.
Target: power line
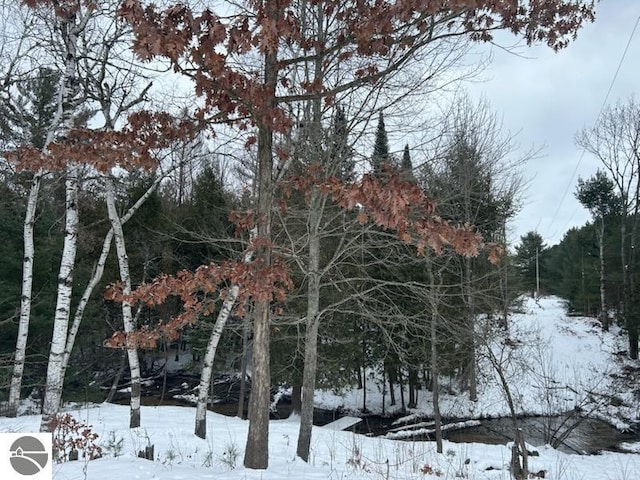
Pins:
x,y
602,107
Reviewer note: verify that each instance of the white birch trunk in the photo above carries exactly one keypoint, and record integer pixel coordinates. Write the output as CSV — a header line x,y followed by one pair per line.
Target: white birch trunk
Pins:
x,y
99,271
86,295
61,118
210,356
25,298
127,316
55,377
69,31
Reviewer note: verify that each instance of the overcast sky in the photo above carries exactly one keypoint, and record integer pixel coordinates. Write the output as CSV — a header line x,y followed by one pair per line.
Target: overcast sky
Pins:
x,y
547,97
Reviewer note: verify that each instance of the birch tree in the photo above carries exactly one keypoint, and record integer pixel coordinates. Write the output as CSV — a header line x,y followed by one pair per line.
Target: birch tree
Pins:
x,y
69,28
127,316
46,93
66,102
85,53
210,354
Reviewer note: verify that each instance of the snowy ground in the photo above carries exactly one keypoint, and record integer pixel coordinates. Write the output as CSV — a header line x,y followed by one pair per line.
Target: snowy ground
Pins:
x,y
180,455
569,354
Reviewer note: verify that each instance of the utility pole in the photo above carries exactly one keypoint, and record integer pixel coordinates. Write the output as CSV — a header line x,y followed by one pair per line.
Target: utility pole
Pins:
x,y
537,272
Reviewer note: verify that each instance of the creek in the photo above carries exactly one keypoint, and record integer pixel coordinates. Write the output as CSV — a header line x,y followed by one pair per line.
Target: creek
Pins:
x,y
577,435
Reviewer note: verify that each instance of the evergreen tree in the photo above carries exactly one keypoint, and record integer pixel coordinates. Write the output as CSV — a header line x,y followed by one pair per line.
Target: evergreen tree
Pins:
x,y
380,156
598,195
528,259
26,119
571,270
341,152
406,166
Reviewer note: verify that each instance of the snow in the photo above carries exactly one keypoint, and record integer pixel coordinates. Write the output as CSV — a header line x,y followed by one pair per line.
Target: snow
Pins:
x,y
343,423
572,353
553,363
430,431
180,455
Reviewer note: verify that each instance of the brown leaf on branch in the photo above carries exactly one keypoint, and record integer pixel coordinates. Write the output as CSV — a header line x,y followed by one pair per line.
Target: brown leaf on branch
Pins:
x,y
201,292
133,147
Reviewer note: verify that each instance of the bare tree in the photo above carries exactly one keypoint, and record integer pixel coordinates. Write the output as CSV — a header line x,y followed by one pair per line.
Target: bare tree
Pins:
x,y
615,141
475,180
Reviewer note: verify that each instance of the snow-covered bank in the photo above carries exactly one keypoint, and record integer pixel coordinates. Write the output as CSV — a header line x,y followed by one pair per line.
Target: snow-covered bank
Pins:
x,y
554,363
334,455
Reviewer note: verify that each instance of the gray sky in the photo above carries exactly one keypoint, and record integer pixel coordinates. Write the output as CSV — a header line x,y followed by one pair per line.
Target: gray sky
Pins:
x,y
547,97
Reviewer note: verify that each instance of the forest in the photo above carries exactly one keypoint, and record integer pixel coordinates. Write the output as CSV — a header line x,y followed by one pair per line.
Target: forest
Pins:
x,y
257,187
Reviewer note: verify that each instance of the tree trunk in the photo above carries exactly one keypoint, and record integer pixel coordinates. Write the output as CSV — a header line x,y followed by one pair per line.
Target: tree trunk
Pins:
x,y
384,391
628,310
435,386
403,407
257,446
471,361
634,301
127,315
391,373
243,370
116,379
296,399
316,207
55,373
25,298
413,388
98,270
163,390
359,369
209,357
61,121
257,449
604,317
311,334
364,369
519,458
312,325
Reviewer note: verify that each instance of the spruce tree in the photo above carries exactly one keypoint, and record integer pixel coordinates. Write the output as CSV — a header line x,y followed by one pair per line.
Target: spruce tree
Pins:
x,y
25,120
380,148
341,152
528,259
406,166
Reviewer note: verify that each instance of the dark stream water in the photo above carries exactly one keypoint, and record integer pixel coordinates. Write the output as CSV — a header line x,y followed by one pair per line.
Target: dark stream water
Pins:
x,y
568,434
